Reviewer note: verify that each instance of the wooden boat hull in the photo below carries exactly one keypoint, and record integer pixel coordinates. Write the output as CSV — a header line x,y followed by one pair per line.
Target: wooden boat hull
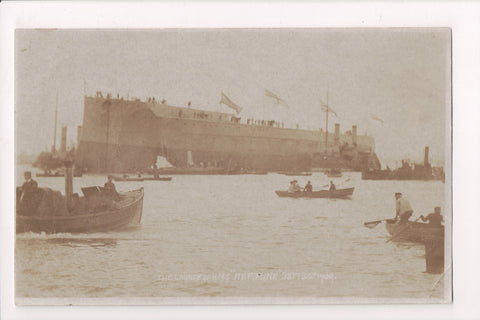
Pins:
x,y
126,212
339,193
414,231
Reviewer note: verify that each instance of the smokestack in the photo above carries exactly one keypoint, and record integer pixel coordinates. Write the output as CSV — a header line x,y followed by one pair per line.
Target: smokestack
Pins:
x,y
68,182
425,159
354,134
63,146
337,133
79,135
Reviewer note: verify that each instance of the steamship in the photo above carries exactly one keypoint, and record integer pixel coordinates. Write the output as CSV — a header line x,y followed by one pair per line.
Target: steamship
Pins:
x,y
126,135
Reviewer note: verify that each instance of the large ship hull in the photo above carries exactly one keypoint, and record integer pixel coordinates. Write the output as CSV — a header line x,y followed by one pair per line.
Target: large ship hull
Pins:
x,y
123,136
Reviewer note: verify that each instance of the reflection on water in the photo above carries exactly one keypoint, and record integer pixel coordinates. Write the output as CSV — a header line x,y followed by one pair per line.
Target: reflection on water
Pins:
x,y
231,236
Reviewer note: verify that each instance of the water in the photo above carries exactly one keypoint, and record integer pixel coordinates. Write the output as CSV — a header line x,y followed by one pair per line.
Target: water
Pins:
x,y
231,236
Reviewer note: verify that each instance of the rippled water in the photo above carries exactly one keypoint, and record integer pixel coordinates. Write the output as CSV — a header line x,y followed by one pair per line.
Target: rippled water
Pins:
x,y
231,236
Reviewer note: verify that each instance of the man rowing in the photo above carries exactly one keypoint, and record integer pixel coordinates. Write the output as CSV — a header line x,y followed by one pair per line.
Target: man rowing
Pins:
x,y
434,219
308,187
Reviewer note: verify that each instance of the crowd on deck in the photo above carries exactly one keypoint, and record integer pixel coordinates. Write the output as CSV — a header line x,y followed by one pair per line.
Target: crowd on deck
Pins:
x,y
205,115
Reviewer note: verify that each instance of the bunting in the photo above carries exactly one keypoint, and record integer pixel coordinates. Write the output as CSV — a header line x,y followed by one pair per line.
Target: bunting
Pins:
x,y
229,103
274,96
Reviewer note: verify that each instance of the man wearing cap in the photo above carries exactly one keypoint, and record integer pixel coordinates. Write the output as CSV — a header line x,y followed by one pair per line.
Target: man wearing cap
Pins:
x,y
403,208
434,219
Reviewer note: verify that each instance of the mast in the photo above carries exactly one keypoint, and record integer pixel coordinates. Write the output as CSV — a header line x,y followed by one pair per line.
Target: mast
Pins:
x,y
326,125
55,130
108,129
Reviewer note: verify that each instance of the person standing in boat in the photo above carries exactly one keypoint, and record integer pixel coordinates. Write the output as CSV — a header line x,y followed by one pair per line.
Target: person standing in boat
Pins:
x,y
434,219
110,190
403,209
308,187
27,194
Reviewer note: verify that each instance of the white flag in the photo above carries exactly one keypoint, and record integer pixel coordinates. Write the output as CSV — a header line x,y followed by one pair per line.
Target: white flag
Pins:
x,y
229,103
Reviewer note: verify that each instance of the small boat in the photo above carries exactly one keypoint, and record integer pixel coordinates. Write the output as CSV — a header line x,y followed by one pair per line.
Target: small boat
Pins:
x,y
58,174
188,171
413,231
119,214
338,193
158,179
50,174
297,173
333,173
126,178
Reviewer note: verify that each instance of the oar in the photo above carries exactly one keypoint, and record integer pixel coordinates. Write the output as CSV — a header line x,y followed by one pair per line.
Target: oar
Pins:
x,y
403,229
326,185
373,224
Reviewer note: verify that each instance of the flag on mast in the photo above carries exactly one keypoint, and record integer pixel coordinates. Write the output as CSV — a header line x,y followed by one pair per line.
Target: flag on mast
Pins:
x,y
375,117
279,100
326,108
229,103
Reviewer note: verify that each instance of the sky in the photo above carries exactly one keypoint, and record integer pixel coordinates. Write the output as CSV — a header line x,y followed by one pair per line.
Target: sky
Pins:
x,y
401,76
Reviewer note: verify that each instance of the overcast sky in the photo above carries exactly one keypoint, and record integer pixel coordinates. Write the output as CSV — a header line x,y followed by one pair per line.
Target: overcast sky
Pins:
x,y
401,76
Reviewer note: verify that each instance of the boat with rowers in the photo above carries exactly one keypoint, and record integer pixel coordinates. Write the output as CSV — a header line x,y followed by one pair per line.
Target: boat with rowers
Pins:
x,y
98,210
338,193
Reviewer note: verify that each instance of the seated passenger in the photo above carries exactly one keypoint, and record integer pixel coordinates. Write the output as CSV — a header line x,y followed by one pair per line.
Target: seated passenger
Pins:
x,y
296,186
291,189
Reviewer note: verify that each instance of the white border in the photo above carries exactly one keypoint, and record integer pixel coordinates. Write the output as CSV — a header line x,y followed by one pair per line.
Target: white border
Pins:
x,y
464,20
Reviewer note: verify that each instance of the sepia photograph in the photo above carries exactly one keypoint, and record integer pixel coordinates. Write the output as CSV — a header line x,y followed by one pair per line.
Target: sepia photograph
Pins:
x,y
233,166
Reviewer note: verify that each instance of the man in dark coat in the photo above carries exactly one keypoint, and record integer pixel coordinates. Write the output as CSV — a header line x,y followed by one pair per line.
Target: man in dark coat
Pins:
x,y
27,195
110,190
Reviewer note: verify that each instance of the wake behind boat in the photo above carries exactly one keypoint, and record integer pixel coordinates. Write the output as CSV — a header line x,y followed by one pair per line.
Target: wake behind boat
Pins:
x,y
338,193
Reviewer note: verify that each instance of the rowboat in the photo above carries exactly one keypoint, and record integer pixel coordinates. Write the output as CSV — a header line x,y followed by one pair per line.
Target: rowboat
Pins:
x,y
295,174
338,193
333,173
158,179
115,215
116,178
413,231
